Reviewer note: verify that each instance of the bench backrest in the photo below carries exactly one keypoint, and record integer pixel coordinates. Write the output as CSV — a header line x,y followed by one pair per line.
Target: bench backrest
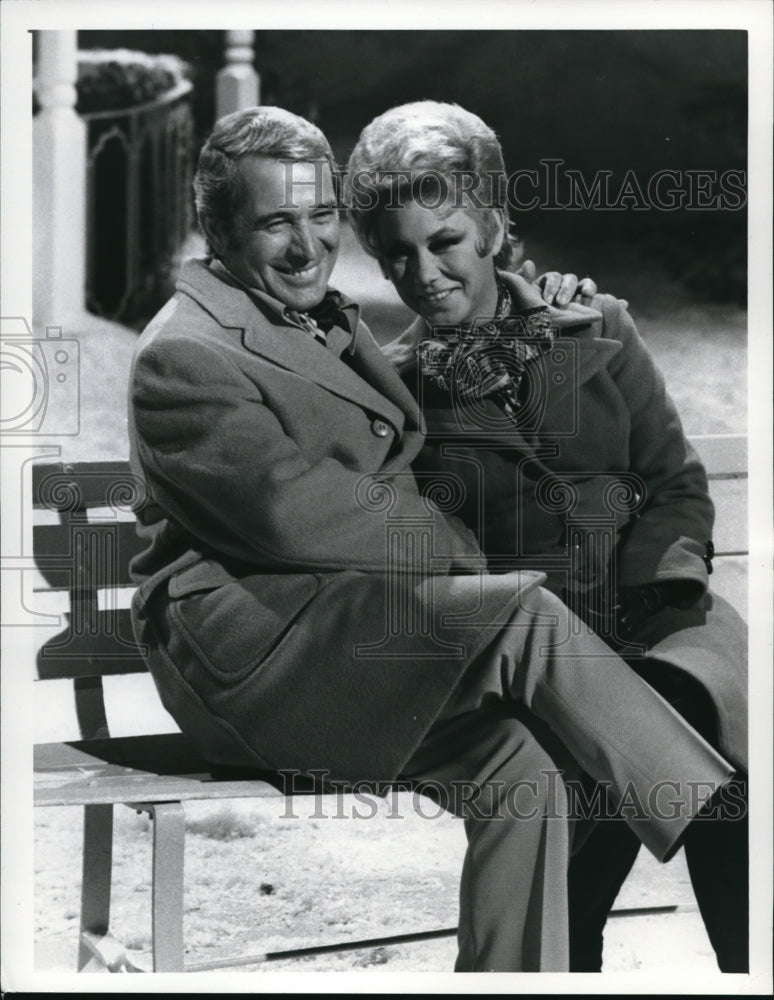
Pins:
x,y
83,546
86,539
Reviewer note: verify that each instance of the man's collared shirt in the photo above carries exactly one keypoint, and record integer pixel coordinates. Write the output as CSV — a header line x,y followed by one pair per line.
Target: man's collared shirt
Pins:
x,y
332,323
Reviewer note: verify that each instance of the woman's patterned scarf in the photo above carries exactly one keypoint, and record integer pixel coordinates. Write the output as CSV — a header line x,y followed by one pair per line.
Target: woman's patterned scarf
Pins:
x,y
487,359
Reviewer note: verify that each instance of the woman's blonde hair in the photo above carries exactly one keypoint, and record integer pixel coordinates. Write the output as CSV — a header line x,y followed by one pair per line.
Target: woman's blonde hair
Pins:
x,y
428,145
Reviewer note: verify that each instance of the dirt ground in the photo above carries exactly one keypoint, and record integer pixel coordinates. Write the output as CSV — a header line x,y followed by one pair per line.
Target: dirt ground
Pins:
x,y
258,880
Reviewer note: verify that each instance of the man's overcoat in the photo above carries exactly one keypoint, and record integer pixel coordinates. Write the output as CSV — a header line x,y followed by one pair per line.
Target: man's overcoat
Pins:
x,y
303,606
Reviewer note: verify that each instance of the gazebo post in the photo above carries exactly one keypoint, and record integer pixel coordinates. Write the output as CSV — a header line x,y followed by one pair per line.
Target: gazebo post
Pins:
x,y
237,84
59,184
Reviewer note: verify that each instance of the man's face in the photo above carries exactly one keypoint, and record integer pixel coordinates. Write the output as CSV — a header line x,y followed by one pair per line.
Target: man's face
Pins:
x,y
285,236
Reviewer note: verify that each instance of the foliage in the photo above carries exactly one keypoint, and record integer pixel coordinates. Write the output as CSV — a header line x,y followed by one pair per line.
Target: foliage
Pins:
x,y
114,79
202,52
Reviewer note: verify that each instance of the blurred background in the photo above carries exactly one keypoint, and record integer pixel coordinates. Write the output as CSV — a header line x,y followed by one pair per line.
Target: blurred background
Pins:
x,y
598,100
625,105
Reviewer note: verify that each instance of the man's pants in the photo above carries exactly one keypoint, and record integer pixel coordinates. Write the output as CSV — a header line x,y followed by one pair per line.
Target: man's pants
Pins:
x,y
513,896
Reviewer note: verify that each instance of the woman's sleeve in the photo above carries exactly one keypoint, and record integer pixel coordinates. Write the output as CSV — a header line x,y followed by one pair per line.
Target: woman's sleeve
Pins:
x,y
667,542
220,464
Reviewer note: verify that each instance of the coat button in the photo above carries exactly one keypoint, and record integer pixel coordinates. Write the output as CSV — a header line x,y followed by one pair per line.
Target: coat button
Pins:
x,y
380,428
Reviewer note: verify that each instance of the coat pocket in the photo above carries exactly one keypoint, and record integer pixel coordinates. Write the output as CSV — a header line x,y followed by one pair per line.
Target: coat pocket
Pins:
x,y
203,575
233,628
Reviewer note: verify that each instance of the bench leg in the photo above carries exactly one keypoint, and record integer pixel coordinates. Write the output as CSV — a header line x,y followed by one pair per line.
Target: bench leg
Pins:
x,y
168,856
97,872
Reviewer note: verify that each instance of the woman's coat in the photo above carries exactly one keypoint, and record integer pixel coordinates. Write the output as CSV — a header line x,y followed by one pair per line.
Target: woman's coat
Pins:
x,y
598,483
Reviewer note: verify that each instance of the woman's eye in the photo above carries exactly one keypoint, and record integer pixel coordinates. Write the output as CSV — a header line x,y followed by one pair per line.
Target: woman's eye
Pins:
x,y
444,244
325,215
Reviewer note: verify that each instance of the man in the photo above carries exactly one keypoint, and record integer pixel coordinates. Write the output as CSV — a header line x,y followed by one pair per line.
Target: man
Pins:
x,y
305,608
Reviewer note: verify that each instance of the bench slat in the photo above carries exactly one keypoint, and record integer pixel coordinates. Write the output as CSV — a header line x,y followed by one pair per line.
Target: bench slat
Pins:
x,y
104,645
722,454
730,581
730,532
63,487
100,552
168,753
136,769
74,790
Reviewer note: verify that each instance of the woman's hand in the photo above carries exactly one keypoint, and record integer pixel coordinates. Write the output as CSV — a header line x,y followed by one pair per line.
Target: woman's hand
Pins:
x,y
636,605
559,289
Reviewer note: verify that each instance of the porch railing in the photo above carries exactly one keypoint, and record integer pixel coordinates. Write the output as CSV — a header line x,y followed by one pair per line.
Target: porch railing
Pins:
x,y
139,209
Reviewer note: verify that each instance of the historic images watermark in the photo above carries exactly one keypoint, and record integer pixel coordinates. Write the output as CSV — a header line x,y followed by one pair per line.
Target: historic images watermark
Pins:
x,y
41,401
41,391
548,795
552,185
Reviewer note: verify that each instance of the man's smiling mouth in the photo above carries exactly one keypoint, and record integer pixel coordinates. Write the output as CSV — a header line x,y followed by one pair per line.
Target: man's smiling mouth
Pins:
x,y
302,274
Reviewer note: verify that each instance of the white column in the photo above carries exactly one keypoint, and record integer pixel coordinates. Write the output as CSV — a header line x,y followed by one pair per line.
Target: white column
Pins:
x,y
237,84
59,184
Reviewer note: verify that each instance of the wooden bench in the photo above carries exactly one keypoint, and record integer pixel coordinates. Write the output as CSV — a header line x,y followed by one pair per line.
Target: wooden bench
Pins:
x,y
84,539
83,542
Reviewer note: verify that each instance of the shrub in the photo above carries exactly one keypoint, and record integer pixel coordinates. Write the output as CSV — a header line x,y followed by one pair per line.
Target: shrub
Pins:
x,y
223,823
114,79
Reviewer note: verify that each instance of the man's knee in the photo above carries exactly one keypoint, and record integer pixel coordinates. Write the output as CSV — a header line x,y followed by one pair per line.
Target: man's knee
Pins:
x,y
545,627
522,782
543,606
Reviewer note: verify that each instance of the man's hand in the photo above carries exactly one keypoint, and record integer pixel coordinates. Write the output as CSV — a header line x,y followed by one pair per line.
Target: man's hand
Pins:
x,y
559,289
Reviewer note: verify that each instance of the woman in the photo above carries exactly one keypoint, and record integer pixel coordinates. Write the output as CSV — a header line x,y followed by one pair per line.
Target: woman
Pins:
x,y
571,458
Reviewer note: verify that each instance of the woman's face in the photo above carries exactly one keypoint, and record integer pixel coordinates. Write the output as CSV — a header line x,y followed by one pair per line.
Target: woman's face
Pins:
x,y
431,256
